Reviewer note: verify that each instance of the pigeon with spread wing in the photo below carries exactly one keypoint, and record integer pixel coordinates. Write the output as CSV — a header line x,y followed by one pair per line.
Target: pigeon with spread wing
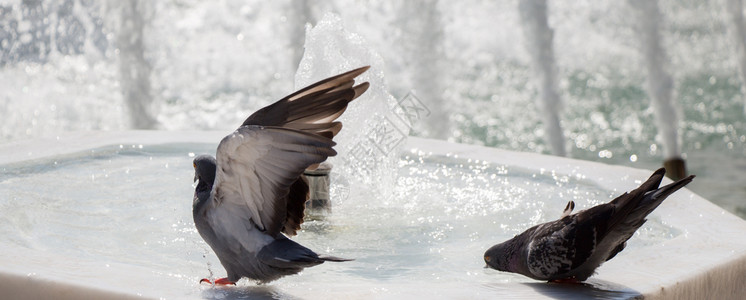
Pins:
x,y
251,196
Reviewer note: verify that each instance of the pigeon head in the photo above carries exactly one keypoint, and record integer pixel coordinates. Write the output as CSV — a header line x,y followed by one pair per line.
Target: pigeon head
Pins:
x,y
502,257
204,171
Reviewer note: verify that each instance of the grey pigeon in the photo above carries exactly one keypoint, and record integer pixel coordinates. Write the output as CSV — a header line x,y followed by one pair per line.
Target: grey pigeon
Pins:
x,y
571,248
252,194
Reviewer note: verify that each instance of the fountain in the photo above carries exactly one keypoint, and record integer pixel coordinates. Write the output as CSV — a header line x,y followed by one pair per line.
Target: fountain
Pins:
x,y
134,69
539,45
319,183
660,85
373,129
212,63
106,214
734,9
420,21
302,15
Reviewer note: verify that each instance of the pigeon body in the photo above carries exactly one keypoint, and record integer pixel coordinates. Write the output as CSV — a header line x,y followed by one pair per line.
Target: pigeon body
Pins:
x,y
251,195
572,247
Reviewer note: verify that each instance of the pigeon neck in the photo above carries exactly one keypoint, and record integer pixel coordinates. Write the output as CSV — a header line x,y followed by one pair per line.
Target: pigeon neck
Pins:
x,y
203,186
201,194
518,252
518,261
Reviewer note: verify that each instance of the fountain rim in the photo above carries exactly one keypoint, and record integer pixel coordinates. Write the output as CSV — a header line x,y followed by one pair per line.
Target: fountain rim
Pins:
x,y
689,261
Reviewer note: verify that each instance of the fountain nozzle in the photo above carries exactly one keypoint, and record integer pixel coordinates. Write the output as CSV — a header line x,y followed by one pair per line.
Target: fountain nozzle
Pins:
x,y
675,168
318,188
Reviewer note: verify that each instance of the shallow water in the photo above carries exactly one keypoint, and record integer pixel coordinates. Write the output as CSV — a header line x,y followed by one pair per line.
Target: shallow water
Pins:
x,y
132,205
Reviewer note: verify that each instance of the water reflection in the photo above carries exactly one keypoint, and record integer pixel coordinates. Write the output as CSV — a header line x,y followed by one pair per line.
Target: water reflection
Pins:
x,y
591,289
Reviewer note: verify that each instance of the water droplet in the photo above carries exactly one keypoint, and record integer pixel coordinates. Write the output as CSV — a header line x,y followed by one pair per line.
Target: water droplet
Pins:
x,y
605,154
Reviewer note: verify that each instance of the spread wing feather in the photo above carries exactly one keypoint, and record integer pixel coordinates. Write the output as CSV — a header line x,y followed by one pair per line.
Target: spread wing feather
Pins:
x,y
315,107
257,165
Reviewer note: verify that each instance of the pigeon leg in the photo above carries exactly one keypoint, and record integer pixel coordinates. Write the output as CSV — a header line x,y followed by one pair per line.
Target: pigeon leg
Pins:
x,y
219,281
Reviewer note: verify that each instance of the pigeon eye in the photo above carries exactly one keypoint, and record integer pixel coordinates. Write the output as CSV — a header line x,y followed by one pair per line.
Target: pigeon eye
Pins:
x,y
194,165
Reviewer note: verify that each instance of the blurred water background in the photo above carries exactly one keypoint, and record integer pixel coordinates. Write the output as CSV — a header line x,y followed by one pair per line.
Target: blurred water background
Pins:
x,y
77,65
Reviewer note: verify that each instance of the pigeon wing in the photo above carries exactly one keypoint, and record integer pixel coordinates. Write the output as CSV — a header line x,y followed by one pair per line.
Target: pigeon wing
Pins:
x,y
552,248
566,244
314,108
256,167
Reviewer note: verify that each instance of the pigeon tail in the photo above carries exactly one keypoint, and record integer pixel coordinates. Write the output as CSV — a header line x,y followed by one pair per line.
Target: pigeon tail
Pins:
x,y
334,258
286,254
651,200
664,192
631,208
655,197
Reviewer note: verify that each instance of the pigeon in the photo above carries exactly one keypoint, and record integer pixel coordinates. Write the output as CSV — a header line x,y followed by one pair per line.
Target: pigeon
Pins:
x,y
571,248
251,196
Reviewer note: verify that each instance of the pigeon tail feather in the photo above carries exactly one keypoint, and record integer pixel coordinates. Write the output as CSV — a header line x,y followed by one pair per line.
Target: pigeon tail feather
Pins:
x,y
334,258
653,198
286,254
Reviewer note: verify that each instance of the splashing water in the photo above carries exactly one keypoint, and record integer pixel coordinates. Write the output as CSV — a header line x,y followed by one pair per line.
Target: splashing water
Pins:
x,y
737,29
373,133
540,36
422,22
660,82
215,63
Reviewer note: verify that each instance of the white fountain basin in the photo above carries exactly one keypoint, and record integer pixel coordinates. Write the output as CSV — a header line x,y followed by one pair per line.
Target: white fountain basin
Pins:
x,y
108,215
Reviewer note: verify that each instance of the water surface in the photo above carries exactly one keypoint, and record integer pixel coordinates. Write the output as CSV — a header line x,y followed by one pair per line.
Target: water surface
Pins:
x,y
131,205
